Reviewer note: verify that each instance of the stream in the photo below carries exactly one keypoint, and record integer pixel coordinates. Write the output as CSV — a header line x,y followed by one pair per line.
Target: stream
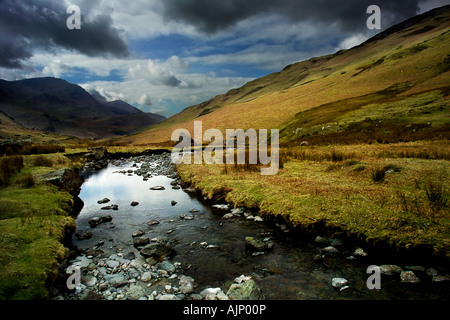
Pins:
x,y
210,250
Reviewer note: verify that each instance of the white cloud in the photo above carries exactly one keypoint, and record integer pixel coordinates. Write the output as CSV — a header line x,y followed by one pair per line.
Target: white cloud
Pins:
x,y
352,41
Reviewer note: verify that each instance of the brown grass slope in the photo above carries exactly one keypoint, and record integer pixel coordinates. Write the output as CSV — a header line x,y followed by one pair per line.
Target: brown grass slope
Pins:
x,y
401,64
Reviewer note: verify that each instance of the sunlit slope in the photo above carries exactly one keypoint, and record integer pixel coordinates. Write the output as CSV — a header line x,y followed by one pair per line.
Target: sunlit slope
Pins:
x,y
393,74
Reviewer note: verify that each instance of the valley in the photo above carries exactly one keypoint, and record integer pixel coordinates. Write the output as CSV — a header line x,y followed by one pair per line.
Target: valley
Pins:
x,y
363,158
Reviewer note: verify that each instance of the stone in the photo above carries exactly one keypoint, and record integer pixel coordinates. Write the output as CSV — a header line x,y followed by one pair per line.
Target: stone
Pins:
x,y
336,242
221,206
390,269
103,201
138,233
416,268
146,276
152,222
111,207
82,262
94,222
258,219
254,244
168,266
246,290
157,250
84,235
112,263
89,280
135,293
330,250
339,282
186,284
440,278
158,188
141,241
229,216
173,202
213,294
360,252
431,272
409,277
134,203
321,240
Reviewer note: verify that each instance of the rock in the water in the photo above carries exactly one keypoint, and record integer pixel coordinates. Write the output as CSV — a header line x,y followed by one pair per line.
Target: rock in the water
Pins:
x,y
440,278
105,200
339,282
111,207
141,241
409,277
152,222
173,202
134,203
321,240
254,244
246,290
158,188
330,250
390,269
157,250
135,292
360,252
221,206
138,233
84,235
98,220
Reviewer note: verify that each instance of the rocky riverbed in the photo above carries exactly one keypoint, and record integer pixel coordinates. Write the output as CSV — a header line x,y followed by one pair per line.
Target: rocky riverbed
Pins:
x,y
142,235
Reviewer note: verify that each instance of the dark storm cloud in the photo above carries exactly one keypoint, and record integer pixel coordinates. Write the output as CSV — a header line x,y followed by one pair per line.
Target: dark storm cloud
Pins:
x,y
29,25
350,15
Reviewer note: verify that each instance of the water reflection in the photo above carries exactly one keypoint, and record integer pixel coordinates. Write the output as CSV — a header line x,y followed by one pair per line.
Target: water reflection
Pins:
x,y
289,271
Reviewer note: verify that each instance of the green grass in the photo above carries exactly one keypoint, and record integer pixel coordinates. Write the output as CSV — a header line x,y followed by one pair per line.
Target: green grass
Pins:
x,y
34,219
306,194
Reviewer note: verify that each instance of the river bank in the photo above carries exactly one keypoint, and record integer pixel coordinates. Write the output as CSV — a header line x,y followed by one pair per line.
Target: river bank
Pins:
x,y
118,263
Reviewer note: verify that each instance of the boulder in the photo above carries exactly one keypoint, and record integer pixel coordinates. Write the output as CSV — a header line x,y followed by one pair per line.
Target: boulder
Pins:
x,y
103,201
409,277
245,290
254,244
141,241
390,269
339,282
186,284
135,292
158,188
134,203
158,250
98,220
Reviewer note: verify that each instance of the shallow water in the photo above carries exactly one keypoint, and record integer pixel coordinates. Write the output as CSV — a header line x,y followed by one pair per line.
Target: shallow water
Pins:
x,y
289,271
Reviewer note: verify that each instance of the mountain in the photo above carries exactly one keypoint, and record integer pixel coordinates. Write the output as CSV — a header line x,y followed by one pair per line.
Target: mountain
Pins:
x,y
55,105
393,87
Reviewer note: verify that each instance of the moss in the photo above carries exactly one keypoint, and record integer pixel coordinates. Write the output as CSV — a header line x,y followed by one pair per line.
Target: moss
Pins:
x,y
34,221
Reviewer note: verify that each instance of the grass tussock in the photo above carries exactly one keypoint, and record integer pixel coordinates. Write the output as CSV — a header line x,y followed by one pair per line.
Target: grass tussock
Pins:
x,y
8,167
401,201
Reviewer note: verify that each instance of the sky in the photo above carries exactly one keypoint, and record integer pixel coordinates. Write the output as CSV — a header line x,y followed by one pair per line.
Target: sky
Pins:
x,y
165,55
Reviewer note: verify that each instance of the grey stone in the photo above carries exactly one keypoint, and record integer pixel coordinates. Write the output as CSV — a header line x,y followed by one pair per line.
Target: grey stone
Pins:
x,y
186,284
246,290
390,269
339,282
141,241
135,293
409,277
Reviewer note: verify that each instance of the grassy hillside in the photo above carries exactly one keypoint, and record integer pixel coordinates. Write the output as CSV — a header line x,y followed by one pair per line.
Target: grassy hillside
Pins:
x,y
399,78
